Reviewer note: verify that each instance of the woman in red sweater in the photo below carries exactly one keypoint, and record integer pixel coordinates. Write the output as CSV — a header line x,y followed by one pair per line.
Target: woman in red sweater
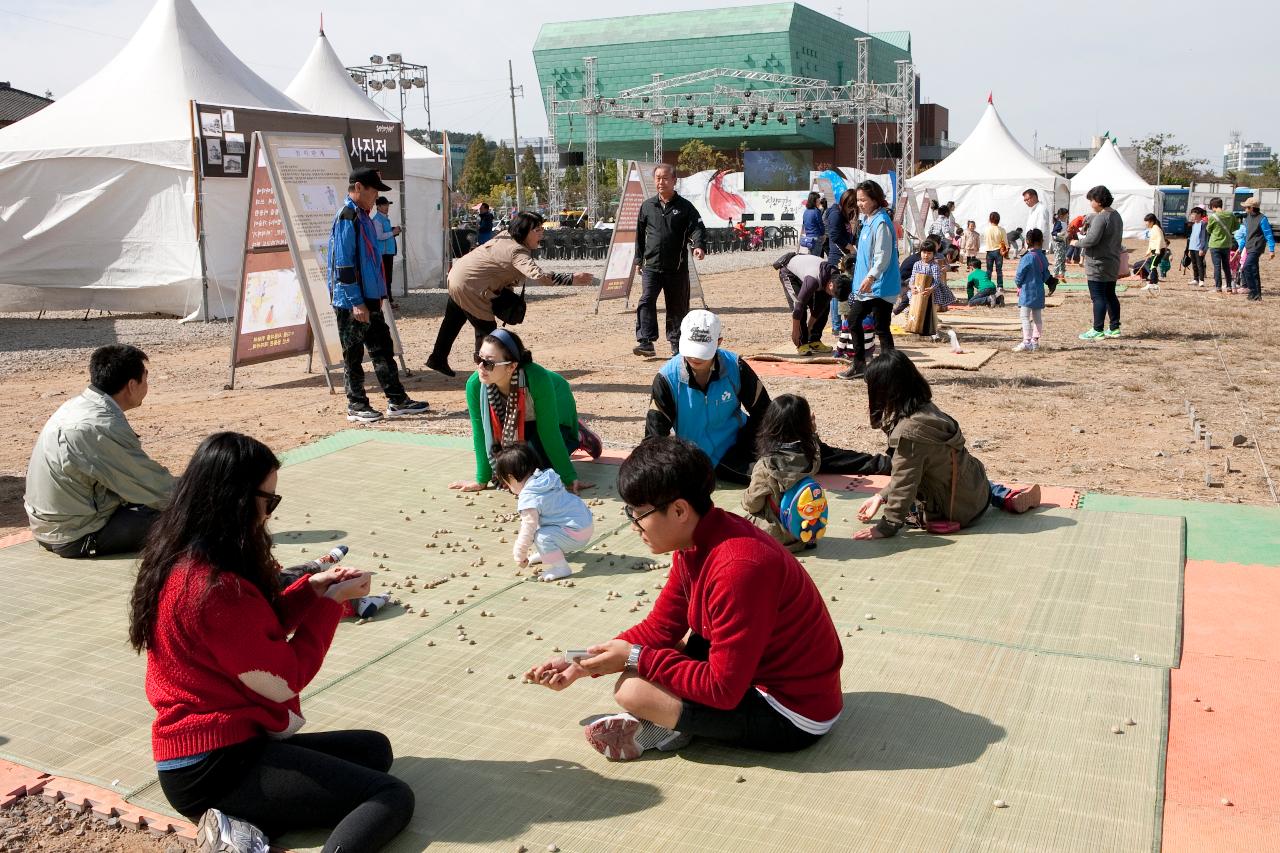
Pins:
x,y
739,646
228,652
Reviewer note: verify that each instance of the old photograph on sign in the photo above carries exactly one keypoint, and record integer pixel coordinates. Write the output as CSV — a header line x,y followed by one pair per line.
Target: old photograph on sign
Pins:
x,y
210,124
228,120
231,165
235,143
213,148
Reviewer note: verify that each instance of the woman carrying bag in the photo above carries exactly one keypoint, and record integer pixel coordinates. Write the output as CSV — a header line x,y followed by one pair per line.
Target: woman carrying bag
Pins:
x,y
486,277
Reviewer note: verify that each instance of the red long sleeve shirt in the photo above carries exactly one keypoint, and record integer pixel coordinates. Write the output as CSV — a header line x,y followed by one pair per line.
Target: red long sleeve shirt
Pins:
x,y
766,622
222,667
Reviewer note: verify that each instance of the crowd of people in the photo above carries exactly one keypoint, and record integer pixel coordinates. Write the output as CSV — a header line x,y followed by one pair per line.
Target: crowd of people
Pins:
x,y
231,644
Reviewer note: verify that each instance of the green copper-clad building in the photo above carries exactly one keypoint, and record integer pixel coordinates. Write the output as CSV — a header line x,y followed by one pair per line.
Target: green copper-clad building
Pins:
x,y
780,38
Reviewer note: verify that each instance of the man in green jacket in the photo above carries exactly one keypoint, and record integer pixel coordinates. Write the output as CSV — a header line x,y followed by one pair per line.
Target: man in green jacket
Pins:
x,y
91,489
1222,225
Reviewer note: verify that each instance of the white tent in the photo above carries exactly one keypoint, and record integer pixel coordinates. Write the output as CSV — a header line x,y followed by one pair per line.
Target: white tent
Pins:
x,y
324,86
97,190
989,172
1134,197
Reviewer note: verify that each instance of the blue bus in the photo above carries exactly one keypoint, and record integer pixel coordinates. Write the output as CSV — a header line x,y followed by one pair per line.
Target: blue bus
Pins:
x,y
1171,204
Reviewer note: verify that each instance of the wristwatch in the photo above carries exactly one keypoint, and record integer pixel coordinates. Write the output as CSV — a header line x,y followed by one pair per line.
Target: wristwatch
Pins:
x,y
633,659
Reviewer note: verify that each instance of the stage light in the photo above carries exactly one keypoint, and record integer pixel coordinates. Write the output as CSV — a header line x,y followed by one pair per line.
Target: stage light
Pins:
x,y
645,99
800,121
375,85
375,60
357,77
419,83
395,58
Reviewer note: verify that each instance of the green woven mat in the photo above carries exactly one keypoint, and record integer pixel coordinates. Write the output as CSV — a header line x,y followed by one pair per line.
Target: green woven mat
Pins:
x,y
1225,533
919,756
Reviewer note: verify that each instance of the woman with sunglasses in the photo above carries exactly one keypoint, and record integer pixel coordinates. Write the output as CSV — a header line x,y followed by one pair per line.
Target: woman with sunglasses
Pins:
x,y
511,399
229,651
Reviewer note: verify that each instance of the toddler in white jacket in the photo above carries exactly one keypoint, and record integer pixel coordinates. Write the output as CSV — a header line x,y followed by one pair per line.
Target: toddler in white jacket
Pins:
x,y
552,519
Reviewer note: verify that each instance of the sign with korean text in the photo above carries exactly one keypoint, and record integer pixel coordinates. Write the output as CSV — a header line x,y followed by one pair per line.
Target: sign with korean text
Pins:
x,y
620,263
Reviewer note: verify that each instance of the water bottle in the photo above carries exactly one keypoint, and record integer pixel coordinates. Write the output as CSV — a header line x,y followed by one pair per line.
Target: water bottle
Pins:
x,y
327,561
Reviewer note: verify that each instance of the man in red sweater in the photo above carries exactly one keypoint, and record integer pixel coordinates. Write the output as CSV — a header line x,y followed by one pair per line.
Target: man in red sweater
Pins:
x,y
739,646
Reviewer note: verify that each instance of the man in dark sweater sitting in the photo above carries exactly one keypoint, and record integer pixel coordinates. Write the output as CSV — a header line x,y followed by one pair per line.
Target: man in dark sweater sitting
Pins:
x,y
739,646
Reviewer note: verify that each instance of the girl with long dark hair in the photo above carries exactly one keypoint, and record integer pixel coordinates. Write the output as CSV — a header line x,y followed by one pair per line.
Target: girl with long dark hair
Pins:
x,y
788,451
811,225
935,481
228,653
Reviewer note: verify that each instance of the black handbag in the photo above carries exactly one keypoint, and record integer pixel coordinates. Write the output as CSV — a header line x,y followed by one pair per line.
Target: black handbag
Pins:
x,y
509,306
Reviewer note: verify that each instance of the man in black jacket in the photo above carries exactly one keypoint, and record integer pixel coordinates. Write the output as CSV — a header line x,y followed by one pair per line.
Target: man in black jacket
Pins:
x,y
665,226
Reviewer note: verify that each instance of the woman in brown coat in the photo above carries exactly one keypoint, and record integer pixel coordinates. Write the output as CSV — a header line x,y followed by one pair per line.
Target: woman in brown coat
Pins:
x,y
484,272
934,477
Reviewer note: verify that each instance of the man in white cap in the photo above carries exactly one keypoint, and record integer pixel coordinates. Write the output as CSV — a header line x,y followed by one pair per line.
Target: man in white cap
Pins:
x,y
711,397
1254,237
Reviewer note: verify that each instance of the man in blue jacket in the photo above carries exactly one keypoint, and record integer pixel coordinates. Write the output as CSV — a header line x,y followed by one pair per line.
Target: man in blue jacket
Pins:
x,y
357,288
1253,237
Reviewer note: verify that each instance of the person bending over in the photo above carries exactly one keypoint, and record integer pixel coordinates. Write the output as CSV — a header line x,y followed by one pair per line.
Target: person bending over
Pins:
x,y
934,477
91,488
739,647
229,652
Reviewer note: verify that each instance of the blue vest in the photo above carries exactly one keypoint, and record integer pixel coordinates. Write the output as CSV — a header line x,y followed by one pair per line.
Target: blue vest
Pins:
x,y
709,420
887,286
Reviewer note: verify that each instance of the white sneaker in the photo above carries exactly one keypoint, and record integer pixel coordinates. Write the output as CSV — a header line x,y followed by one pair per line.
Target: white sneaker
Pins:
x,y
1025,346
622,737
220,833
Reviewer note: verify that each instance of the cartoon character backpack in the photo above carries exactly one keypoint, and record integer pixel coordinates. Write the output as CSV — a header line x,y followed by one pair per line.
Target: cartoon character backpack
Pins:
x,y
803,511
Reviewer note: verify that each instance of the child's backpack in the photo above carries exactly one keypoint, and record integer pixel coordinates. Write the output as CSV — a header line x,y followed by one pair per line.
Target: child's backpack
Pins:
x,y
803,511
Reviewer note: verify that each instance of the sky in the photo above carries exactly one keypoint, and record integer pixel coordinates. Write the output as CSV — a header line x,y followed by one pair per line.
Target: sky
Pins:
x,y
1058,77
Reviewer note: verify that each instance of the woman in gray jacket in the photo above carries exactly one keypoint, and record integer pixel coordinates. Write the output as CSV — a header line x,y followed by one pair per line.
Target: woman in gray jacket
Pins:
x,y
1102,242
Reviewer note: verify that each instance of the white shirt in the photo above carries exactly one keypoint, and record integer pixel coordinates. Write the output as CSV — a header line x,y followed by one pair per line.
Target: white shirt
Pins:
x,y
1038,217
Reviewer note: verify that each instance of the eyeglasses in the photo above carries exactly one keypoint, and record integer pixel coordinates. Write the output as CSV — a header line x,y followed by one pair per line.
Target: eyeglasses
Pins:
x,y
636,519
488,363
273,500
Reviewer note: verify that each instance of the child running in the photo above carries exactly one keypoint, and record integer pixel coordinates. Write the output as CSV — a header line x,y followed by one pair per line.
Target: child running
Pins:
x,y
979,288
787,444
1033,271
551,517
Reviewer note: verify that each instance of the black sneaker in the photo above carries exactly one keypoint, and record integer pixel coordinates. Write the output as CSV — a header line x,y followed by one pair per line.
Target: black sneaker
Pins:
x,y
365,414
441,367
589,441
407,407
645,349
853,371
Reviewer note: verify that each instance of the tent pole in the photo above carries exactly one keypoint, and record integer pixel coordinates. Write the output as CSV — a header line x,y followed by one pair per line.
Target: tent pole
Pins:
x,y
199,214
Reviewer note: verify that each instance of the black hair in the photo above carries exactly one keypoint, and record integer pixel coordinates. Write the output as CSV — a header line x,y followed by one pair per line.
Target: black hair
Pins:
x,y
994,217
1032,193
1062,211
112,367
484,204
849,204
974,264
788,420
970,222
1200,210
1101,195
895,389
873,191
522,223
663,470
1215,203
812,201
933,204
515,462
929,244
1035,237
212,518
1151,219
497,337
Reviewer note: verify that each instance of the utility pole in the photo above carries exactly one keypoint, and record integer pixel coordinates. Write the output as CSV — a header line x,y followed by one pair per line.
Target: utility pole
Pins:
x,y
515,135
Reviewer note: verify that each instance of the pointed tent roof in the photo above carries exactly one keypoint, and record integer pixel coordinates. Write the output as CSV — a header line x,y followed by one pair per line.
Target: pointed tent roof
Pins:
x,y
990,154
142,94
1108,167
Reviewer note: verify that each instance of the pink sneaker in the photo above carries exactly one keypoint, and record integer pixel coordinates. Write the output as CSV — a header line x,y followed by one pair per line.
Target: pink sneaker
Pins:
x,y
1023,500
622,737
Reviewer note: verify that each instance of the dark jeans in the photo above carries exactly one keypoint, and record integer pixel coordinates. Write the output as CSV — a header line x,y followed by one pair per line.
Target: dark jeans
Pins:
x,y
1105,302
374,335
388,267
1221,266
1250,276
308,781
454,319
995,261
753,724
881,310
1197,266
124,533
674,287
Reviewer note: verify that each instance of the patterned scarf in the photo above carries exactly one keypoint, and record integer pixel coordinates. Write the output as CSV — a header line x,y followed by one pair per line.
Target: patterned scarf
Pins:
x,y
507,411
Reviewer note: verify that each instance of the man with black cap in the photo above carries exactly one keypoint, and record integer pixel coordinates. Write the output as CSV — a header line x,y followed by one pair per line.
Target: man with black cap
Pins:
x,y
357,287
387,234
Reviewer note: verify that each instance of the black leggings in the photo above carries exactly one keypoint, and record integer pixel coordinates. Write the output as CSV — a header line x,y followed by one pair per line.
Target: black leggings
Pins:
x,y
880,309
454,319
308,781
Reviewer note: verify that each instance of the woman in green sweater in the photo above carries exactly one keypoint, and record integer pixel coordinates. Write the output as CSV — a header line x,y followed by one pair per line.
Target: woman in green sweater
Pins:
x,y
511,399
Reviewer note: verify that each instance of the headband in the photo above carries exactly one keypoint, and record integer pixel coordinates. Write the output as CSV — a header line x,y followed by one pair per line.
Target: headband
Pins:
x,y
509,342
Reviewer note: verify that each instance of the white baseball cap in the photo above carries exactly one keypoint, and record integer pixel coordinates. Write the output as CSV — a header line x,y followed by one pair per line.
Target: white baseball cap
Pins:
x,y
699,334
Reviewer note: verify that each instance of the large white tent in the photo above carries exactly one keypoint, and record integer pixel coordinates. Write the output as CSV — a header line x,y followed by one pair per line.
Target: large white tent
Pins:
x,y
97,190
989,172
1134,197
323,85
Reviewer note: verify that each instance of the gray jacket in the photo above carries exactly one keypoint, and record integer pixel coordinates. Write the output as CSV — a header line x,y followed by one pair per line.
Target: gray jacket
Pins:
x,y
1102,242
86,463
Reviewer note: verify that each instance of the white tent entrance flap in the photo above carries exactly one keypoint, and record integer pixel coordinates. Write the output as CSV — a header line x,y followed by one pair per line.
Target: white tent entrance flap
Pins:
x,y
298,186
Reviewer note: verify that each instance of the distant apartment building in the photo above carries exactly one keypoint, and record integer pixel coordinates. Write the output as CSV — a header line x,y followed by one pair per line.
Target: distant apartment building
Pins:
x,y
1069,161
1238,156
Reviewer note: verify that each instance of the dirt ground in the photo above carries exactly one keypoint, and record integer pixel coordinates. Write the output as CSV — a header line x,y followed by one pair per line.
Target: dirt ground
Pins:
x,y
34,824
1105,416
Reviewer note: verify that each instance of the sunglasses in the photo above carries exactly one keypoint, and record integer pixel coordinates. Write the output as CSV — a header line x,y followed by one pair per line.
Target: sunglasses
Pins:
x,y
636,519
488,363
273,500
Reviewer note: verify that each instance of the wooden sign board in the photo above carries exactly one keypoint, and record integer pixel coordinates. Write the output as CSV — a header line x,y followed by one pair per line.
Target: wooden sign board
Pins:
x,y
620,262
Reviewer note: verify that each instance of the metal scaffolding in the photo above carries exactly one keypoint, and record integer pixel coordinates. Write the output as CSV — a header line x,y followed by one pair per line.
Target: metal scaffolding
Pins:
x,y
784,99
